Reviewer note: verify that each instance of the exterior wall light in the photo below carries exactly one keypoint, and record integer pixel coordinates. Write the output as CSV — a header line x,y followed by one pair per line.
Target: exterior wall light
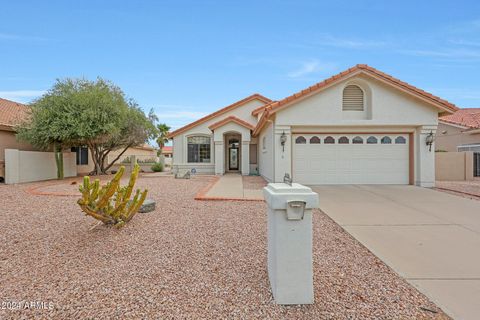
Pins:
x,y
429,140
283,140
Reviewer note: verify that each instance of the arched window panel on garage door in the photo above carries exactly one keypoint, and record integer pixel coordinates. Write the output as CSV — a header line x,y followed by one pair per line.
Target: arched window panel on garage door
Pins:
x,y
372,140
386,140
400,140
357,140
329,140
300,140
343,140
314,140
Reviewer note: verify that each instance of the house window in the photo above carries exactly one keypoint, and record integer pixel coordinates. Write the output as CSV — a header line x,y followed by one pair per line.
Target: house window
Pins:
x,y
400,140
82,155
329,140
353,98
343,140
264,143
386,140
301,140
198,149
357,140
372,140
314,140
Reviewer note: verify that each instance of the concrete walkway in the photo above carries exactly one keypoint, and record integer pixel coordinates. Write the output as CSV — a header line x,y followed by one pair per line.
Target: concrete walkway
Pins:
x,y
231,187
430,238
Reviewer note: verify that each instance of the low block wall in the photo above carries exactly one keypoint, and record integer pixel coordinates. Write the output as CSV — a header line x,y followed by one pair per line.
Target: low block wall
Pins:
x,y
144,167
28,166
454,166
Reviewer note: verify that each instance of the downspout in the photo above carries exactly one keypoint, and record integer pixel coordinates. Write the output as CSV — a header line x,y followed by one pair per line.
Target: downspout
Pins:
x,y
273,149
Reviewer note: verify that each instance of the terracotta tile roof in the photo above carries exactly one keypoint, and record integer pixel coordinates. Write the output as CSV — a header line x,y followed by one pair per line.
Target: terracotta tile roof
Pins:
x,y
467,117
12,113
145,146
261,109
231,119
358,69
167,149
255,96
363,68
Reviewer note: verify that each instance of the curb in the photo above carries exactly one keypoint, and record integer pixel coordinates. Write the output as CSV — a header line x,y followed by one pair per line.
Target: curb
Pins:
x,y
461,192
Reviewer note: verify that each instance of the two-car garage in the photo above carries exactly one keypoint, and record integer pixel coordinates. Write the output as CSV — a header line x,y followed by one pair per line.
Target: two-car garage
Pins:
x,y
367,158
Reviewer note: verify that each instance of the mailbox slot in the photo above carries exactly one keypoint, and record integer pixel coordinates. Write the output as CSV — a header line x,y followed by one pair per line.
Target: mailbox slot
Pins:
x,y
295,210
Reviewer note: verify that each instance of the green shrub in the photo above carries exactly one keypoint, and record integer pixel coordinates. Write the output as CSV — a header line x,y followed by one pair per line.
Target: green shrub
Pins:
x,y
149,160
157,167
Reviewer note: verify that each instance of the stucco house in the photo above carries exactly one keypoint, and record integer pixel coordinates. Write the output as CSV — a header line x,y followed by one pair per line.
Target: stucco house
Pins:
x,y
459,131
11,114
360,126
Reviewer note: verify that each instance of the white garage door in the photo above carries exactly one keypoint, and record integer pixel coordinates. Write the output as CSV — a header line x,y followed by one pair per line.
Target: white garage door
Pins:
x,y
351,158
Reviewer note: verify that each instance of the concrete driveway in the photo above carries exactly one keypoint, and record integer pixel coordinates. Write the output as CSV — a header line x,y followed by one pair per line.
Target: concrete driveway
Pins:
x,y
430,238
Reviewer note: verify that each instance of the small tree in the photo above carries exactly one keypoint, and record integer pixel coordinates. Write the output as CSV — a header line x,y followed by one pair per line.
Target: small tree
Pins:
x,y
162,136
80,112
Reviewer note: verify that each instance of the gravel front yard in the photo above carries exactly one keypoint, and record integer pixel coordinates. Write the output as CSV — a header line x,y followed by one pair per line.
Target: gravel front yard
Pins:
x,y
188,259
467,189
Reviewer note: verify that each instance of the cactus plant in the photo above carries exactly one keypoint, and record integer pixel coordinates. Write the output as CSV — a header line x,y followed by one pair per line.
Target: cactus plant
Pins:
x,y
111,203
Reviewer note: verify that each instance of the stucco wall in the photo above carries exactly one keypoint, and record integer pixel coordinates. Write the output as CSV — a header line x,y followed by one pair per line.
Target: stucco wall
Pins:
x,y
179,142
85,169
9,141
388,107
28,166
266,152
454,166
449,137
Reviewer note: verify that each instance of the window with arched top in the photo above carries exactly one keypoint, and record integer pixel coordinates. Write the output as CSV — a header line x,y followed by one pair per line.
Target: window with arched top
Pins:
x,y
353,98
386,140
300,140
400,140
357,140
314,140
329,140
343,140
372,140
198,149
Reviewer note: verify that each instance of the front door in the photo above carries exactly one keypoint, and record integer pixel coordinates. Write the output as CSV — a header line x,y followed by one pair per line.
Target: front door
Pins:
x,y
233,158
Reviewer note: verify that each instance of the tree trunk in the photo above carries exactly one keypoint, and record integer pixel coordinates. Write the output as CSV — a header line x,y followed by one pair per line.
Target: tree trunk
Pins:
x,y
116,159
96,157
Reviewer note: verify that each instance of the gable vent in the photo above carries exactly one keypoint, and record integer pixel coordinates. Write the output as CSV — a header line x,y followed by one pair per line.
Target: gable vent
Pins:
x,y
352,98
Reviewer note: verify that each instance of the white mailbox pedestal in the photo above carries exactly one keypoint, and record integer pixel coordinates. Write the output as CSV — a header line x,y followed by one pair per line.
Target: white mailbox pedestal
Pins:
x,y
290,268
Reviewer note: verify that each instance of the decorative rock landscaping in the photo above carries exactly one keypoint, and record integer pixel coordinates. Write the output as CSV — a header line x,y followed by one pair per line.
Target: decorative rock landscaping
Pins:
x,y
147,206
195,259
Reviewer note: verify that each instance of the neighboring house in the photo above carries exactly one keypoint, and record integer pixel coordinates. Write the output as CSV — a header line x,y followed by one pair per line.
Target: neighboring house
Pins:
x,y
459,131
167,151
11,114
361,126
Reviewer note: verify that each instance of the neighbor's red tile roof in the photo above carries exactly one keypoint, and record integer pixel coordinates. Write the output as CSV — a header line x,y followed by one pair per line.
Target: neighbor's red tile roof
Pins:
x,y
255,96
167,149
467,117
12,113
275,106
